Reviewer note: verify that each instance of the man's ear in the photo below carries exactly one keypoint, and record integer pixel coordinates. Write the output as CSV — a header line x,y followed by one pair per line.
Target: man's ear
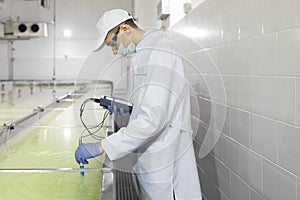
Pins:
x,y
125,28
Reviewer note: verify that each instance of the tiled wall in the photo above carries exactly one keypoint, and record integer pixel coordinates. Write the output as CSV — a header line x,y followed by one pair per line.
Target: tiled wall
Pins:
x,y
255,45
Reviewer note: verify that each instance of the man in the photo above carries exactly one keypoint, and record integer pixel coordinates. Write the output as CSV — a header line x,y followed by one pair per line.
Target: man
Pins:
x,y
159,129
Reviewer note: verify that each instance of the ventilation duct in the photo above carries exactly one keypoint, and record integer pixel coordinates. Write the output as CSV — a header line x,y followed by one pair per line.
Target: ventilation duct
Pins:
x,y
30,29
11,30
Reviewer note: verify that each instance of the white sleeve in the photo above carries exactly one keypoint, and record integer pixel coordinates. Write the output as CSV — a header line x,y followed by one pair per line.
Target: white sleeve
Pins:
x,y
154,113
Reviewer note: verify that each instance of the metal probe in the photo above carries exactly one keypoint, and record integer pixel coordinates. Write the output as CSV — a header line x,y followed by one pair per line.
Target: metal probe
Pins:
x,y
81,164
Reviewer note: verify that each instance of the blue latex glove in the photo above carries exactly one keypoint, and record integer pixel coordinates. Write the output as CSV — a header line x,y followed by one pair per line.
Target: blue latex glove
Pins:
x,y
85,151
114,109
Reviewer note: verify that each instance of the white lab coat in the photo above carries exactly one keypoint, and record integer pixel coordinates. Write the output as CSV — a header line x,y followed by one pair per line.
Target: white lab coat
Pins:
x,y
159,129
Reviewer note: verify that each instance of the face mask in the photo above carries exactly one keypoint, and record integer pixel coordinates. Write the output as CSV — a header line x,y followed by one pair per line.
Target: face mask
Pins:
x,y
126,51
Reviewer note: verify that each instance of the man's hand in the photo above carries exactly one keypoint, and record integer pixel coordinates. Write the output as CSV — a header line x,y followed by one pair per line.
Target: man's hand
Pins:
x,y
114,109
119,111
87,150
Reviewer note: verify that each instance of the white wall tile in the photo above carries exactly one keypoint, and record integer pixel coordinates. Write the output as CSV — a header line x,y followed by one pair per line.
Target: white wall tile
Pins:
x,y
288,48
231,7
197,85
234,58
194,106
298,101
297,12
244,91
224,197
246,41
200,131
218,117
250,19
208,165
250,169
211,144
256,95
205,110
218,173
211,123
255,196
189,66
182,40
277,15
298,189
223,177
263,55
208,188
216,88
238,190
213,30
211,61
279,98
229,19
275,178
230,151
207,11
239,126
274,55
217,148
232,87
264,137
288,148
203,61
226,127
209,14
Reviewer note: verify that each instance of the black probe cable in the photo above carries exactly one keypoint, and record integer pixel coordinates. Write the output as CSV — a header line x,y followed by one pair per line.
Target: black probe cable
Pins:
x,y
99,126
87,128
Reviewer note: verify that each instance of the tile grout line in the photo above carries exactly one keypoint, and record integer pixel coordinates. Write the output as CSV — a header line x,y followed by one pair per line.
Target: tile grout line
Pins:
x,y
296,189
206,48
262,176
250,112
261,156
296,101
241,75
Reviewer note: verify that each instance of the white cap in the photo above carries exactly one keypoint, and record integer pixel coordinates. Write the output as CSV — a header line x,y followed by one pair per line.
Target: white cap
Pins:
x,y
109,20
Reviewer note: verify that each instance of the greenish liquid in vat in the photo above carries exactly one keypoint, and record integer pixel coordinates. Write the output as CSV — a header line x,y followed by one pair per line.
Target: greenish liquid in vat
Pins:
x,y
51,144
